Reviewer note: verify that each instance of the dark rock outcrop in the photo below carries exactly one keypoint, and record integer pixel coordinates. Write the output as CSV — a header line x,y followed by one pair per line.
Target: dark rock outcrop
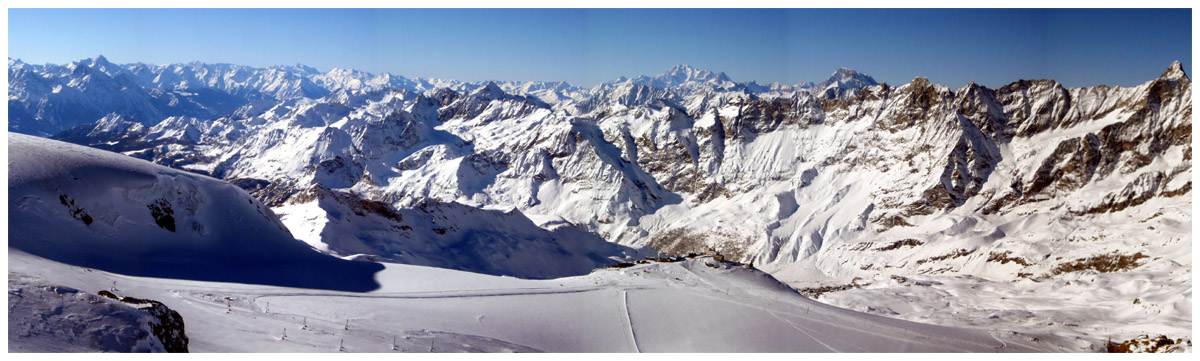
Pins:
x,y
169,329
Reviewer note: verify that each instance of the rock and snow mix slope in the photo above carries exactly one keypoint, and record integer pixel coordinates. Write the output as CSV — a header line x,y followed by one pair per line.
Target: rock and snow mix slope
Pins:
x,y
447,235
1010,189
46,318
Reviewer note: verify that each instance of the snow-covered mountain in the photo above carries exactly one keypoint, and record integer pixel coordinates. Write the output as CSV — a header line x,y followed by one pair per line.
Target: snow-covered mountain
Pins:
x,y
47,99
846,184
680,75
844,82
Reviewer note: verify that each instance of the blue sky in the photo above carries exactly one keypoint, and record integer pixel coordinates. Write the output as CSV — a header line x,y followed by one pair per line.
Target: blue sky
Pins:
x,y
587,46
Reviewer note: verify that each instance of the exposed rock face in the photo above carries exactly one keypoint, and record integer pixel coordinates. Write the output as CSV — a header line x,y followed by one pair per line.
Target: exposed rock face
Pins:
x,y
169,327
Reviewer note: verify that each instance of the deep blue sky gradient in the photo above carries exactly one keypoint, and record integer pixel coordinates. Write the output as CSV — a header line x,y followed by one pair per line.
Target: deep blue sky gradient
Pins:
x,y
1078,47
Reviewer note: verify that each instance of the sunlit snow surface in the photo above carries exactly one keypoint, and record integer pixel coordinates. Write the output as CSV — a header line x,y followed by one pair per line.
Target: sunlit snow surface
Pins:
x,y
680,307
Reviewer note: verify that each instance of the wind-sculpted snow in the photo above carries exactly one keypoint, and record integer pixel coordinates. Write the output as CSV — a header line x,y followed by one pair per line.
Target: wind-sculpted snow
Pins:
x,y
107,211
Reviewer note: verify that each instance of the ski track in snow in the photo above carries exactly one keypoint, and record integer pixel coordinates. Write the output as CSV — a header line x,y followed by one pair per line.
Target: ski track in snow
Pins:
x,y
629,319
805,332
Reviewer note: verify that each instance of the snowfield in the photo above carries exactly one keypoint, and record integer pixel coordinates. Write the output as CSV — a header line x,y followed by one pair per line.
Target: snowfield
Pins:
x,y
693,305
659,307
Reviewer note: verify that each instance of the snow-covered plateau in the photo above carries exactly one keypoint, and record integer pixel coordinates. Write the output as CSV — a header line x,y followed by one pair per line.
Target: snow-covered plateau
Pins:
x,y
454,216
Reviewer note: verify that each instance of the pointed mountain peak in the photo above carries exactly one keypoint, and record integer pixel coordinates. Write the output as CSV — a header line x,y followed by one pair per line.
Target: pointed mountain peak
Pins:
x,y
79,68
1174,71
721,77
101,63
490,90
113,117
115,120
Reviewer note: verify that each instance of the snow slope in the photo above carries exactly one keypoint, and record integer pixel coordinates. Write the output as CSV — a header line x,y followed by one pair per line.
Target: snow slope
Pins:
x,y
658,307
108,211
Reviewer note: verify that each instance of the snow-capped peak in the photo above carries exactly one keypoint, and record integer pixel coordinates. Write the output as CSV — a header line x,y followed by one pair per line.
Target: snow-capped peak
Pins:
x,y
678,75
102,64
489,90
847,76
115,124
1175,71
842,82
100,60
684,73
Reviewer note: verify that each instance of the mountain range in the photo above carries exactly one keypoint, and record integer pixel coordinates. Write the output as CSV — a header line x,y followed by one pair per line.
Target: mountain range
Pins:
x,y
857,192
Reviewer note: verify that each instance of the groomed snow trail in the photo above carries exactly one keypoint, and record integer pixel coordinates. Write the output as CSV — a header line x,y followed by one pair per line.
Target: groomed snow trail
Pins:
x,y
678,309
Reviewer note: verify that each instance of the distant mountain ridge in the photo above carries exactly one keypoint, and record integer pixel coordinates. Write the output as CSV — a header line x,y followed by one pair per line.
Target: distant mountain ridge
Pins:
x,y
46,99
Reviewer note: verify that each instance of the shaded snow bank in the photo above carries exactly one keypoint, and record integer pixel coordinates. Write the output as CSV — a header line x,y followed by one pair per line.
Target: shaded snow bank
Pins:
x,y
107,211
